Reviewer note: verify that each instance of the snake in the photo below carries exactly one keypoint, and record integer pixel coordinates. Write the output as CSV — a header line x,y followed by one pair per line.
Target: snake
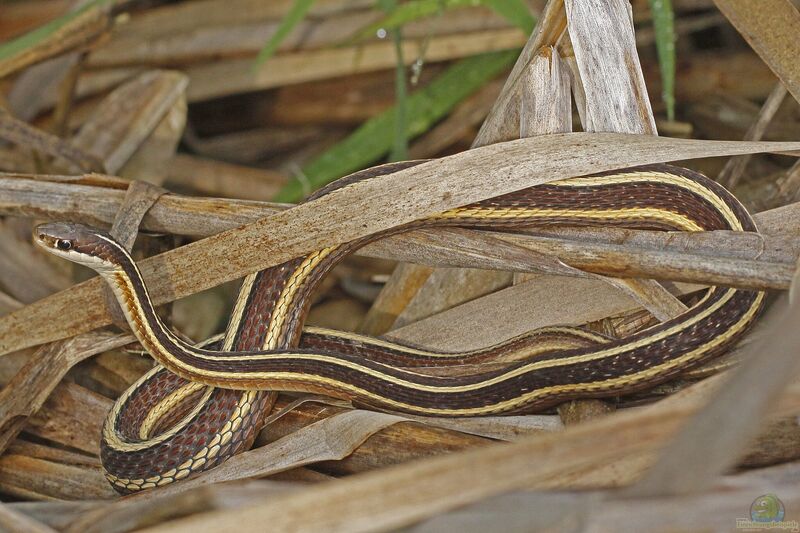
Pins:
x,y
204,403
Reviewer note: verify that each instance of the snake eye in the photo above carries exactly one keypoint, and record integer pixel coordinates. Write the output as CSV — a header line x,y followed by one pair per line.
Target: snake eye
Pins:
x,y
61,244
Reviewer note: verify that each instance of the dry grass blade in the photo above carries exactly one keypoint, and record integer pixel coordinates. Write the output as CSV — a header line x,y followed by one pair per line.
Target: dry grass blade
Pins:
x,y
35,85
139,198
36,478
613,84
599,512
788,188
545,105
449,287
54,513
8,303
476,250
395,296
379,203
510,312
652,296
224,179
497,427
72,417
133,515
732,171
15,522
26,277
718,258
24,395
128,116
502,124
333,438
95,200
689,513
771,27
507,313
23,134
405,441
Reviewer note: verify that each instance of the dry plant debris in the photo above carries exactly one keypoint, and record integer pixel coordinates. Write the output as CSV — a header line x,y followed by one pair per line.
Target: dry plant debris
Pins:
x,y
153,118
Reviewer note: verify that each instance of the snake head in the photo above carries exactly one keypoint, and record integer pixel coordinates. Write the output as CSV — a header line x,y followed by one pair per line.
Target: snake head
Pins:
x,y
81,244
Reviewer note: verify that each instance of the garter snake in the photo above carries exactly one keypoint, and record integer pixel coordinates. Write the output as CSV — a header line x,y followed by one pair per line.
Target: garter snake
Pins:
x,y
165,428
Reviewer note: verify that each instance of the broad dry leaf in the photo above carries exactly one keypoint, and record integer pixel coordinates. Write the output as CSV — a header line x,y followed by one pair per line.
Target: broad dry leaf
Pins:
x,y
771,27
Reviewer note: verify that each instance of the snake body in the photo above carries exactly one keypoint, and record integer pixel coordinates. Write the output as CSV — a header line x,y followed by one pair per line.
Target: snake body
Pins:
x,y
178,419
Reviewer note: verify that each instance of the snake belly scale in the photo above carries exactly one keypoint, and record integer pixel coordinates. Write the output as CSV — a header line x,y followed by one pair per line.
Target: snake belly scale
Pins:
x,y
206,403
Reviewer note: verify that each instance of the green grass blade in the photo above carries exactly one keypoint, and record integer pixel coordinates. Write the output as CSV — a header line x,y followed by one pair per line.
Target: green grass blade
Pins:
x,y
41,33
374,138
292,19
400,146
664,25
408,12
515,11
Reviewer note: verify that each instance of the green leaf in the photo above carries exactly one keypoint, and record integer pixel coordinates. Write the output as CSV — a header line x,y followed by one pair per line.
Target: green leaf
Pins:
x,y
374,138
664,25
514,11
34,37
292,19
